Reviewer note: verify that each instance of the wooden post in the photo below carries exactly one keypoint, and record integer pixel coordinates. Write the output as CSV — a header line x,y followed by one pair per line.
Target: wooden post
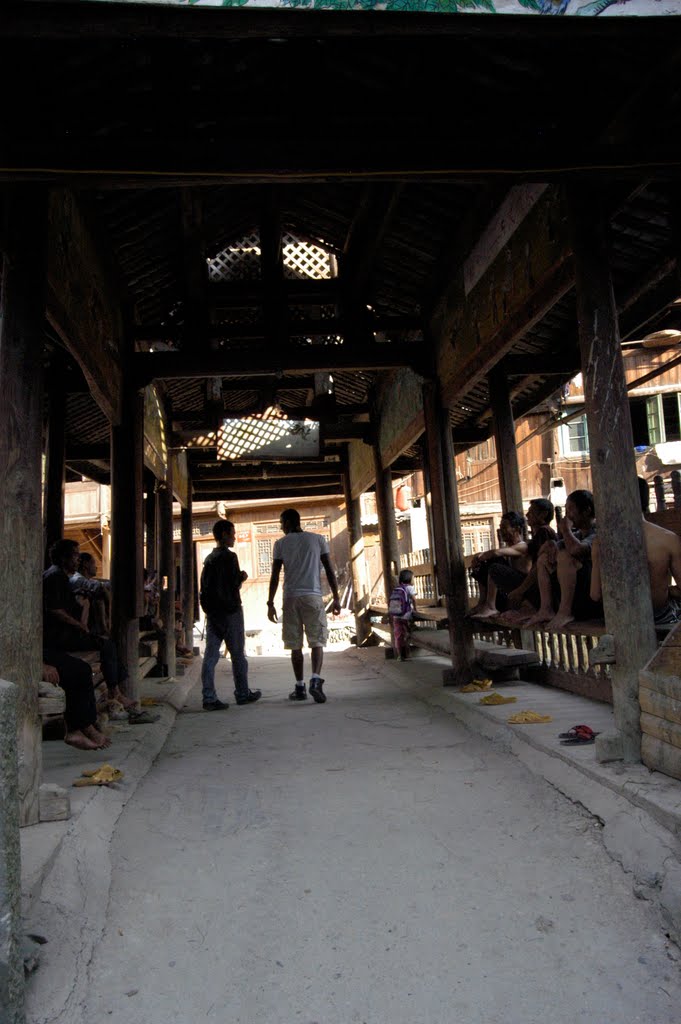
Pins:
x,y
22,314
390,557
450,569
660,500
624,565
127,533
54,477
357,563
676,487
150,513
504,439
167,572
187,571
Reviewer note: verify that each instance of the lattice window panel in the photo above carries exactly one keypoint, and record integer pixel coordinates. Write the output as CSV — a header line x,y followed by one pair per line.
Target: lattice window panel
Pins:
x,y
303,259
241,260
238,442
264,557
238,262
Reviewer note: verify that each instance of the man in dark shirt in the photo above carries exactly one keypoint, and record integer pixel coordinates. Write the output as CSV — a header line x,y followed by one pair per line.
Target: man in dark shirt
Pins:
x,y
221,581
63,629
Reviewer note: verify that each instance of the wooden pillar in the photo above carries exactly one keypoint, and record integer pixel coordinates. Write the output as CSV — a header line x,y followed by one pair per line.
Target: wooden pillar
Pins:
x,y
187,571
54,476
22,314
390,557
127,533
150,513
360,589
504,439
167,572
624,566
448,546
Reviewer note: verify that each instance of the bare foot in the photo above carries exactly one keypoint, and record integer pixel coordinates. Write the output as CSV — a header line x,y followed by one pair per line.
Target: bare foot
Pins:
x,y
118,695
560,620
97,737
513,618
543,615
79,740
486,612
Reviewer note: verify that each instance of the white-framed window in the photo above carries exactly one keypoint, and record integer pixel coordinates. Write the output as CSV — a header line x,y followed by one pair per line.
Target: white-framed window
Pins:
x,y
573,437
663,416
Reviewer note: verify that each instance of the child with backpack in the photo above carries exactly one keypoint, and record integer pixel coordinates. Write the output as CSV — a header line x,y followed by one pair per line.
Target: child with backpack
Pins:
x,y
401,608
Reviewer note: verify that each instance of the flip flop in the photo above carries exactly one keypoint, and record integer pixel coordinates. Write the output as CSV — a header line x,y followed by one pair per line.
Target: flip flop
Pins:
x,y
104,776
579,734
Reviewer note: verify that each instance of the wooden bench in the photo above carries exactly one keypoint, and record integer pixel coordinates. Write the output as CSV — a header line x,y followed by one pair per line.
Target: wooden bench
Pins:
x,y
52,700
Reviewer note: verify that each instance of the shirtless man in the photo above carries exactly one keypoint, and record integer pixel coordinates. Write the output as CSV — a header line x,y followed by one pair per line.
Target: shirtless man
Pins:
x,y
568,564
663,549
511,554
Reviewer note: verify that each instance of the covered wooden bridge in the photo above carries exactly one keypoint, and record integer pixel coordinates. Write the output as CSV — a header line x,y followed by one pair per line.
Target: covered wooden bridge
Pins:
x,y
493,202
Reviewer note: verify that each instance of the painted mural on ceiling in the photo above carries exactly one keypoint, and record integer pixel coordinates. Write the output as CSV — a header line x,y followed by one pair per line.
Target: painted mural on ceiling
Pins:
x,y
578,8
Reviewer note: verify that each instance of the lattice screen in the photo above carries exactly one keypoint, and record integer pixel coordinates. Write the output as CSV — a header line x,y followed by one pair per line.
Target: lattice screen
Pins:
x,y
241,260
303,259
238,262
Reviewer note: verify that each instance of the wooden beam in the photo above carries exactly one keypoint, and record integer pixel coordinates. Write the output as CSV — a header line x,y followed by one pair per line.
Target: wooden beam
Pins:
x,y
307,359
234,474
294,328
88,452
59,20
236,294
226,493
193,268
563,364
364,239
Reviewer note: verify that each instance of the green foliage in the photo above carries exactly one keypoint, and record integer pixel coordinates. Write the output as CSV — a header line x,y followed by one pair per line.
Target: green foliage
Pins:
x,y
531,5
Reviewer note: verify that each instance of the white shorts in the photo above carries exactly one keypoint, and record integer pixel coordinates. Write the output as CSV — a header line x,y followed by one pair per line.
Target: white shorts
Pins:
x,y
304,612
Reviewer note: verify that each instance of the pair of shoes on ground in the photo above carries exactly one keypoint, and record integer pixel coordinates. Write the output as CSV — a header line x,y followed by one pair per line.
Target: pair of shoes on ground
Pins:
x,y
221,705
249,698
316,691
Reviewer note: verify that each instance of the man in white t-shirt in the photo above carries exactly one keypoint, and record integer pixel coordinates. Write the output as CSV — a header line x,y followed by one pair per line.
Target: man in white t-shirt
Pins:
x,y
300,554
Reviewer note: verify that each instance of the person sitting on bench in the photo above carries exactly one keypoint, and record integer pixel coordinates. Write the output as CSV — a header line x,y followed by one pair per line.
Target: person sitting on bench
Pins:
x,y
511,556
516,588
663,549
84,585
63,629
564,569
74,676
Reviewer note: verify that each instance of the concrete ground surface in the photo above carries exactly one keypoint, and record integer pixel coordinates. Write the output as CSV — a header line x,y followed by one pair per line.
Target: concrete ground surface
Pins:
x,y
370,860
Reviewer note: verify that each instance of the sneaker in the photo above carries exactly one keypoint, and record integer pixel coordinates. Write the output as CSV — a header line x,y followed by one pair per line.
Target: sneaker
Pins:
x,y
249,698
214,705
316,691
300,693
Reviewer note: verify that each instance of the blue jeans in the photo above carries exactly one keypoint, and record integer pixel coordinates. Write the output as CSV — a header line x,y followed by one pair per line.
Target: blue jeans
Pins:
x,y
230,629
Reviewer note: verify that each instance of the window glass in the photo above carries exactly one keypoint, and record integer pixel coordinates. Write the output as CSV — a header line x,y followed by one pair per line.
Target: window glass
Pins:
x,y
655,423
670,409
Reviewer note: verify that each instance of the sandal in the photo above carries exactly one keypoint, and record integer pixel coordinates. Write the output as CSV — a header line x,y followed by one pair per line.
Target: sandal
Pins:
x,y
576,735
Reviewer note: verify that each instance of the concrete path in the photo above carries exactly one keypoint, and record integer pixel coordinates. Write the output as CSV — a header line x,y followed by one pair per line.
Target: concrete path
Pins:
x,y
369,861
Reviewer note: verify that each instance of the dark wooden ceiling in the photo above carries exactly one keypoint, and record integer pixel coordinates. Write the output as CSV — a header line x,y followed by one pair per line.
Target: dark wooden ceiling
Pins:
x,y
388,139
